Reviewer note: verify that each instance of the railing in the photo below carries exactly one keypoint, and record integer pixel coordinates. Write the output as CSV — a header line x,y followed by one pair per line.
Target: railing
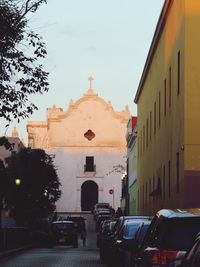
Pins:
x,y
14,237
89,168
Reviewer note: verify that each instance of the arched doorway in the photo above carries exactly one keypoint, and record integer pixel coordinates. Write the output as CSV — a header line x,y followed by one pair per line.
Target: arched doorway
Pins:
x,y
89,195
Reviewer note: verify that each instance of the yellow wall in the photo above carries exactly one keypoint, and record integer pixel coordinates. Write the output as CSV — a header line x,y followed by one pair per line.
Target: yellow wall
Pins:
x,y
169,137
192,86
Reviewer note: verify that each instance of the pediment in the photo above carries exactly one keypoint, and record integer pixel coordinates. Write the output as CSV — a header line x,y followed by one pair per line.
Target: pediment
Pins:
x,y
86,101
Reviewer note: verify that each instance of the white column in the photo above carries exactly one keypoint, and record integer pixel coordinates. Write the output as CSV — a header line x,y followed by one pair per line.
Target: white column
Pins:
x,y
78,200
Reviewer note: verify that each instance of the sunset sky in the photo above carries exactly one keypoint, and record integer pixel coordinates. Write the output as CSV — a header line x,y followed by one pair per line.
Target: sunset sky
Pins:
x,y
106,39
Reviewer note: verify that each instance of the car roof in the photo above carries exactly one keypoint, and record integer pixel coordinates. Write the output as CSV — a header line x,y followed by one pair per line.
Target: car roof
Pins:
x,y
58,222
132,221
137,217
179,213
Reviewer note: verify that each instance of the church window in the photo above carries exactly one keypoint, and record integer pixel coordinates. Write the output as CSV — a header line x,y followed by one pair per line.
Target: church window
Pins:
x,y
89,135
89,166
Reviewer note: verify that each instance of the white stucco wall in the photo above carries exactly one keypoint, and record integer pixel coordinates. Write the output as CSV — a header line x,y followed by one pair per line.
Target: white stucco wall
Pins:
x,y
65,138
70,162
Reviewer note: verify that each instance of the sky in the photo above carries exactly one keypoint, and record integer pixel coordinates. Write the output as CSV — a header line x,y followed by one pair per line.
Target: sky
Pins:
x,y
108,39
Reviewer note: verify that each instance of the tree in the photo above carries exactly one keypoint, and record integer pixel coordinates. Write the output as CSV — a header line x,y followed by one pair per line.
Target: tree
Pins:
x,y
21,74
38,191
3,185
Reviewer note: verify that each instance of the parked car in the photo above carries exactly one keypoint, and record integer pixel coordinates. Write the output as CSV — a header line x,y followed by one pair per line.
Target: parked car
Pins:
x,y
101,206
100,219
100,212
192,257
113,237
169,236
64,232
101,231
107,231
131,251
124,242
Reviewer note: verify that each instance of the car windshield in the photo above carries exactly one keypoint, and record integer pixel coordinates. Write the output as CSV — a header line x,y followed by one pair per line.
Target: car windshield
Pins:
x,y
112,225
130,230
180,233
142,234
62,226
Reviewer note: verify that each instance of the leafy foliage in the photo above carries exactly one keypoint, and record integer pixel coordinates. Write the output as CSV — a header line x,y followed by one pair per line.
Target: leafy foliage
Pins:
x,y
35,197
3,180
21,75
119,168
4,142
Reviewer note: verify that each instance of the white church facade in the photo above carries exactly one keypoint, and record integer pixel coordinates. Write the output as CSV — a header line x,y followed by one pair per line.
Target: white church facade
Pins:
x,y
88,141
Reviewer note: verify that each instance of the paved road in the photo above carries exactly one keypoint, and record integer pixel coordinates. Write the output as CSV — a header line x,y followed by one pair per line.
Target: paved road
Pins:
x,y
59,256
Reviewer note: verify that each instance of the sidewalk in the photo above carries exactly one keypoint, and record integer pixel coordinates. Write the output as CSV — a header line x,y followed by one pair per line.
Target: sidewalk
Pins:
x,y
14,250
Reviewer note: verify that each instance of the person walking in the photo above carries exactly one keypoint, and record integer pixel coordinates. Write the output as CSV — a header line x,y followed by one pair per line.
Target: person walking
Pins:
x,y
83,236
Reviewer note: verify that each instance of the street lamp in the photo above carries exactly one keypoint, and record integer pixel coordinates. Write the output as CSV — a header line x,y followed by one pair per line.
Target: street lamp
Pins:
x,y
17,181
45,192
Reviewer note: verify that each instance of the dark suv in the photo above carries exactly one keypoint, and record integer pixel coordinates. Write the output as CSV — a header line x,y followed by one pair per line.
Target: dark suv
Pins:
x,y
169,236
64,232
192,258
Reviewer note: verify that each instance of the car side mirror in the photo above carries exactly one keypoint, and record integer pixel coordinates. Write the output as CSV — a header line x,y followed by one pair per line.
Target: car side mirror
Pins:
x,y
118,243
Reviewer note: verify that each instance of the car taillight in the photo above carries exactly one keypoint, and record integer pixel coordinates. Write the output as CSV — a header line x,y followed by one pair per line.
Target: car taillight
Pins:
x,y
162,257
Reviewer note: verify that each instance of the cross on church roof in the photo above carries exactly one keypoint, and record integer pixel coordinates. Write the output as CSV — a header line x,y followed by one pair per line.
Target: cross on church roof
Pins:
x,y
90,79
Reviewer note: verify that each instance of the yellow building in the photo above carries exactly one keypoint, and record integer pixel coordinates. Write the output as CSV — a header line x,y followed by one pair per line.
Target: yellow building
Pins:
x,y
168,100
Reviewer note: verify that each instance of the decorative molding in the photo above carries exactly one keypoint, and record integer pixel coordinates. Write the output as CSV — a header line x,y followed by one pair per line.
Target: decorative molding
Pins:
x,y
123,116
86,177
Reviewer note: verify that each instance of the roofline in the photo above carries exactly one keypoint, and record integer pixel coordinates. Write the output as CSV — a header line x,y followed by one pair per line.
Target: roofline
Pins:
x,y
178,213
154,43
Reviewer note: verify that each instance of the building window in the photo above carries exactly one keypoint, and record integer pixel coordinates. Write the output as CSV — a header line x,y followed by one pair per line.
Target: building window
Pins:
x,y
154,117
177,172
178,73
149,189
159,107
170,86
143,195
169,178
164,181
147,132
138,199
150,130
165,98
146,193
89,135
143,138
89,166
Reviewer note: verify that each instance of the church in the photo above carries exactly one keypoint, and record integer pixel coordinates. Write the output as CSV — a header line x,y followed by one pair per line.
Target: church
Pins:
x,y
88,141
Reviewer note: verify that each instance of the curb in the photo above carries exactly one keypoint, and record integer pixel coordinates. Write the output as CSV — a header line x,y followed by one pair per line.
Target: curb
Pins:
x,y
12,251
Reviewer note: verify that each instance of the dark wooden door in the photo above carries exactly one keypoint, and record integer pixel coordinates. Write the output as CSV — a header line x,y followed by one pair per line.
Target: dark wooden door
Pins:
x,y
89,195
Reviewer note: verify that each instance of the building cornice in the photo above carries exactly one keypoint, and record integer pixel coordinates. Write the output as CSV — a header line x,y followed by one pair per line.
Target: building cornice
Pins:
x,y
154,44
59,145
37,124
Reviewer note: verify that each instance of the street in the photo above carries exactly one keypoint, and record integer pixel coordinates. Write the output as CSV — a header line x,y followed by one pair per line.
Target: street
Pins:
x,y
58,256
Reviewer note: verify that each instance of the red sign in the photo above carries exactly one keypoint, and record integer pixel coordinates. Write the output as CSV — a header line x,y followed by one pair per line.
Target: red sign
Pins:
x,y
111,191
